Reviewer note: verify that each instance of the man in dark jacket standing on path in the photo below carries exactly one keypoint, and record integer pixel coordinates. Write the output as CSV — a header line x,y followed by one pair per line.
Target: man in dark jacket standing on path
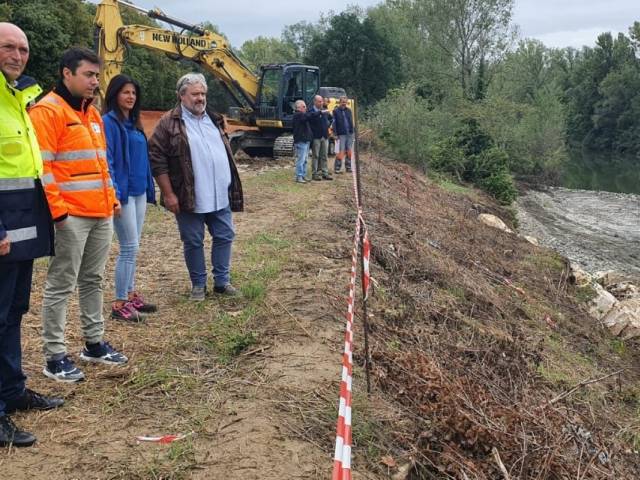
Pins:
x,y
320,144
192,162
343,128
302,137
26,229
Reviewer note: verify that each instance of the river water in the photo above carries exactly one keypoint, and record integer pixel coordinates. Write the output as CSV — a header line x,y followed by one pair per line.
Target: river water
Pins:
x,y
599,230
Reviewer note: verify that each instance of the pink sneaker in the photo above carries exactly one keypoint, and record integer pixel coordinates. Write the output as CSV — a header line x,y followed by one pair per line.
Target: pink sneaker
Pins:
x,y
140,305
127,313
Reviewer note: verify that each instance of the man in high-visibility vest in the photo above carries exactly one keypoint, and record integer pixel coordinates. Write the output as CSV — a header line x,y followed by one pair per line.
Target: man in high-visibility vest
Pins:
x,y
25,229
82,201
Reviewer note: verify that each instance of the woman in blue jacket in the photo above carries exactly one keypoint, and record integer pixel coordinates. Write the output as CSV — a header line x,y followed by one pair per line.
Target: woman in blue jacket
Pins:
x,y
128,158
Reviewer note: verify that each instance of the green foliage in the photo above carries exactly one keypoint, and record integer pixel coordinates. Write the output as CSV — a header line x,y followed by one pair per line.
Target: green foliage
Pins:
x,y
422,61
353,54
603,96
409,127
467,33
301,35
484,164
265,50
51,28
417,133
5,12
500,186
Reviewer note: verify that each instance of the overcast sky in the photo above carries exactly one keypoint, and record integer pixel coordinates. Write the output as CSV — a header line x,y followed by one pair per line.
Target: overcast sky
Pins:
x,y
557,23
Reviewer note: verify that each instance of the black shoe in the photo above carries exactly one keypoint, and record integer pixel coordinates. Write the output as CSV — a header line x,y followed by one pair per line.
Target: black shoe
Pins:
x,y
327,177
12,435
31,400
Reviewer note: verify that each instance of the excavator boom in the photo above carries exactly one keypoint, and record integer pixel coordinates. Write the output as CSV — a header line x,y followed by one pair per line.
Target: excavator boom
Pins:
x,y
265,104
206,48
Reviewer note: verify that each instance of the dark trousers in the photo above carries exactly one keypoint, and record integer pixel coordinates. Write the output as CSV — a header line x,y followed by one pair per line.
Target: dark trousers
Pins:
x,y
220,226
15,290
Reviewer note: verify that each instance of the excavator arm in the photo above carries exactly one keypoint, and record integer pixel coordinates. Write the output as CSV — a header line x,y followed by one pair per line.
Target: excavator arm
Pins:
x,y
206,48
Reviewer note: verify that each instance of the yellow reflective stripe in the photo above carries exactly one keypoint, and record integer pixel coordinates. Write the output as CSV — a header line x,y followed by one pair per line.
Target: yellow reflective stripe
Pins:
x,y
22,234
47,155
80,185
16,184
48,179
79,155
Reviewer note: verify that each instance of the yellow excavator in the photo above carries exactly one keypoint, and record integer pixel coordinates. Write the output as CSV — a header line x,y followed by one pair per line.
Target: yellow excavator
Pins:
x,y
265,102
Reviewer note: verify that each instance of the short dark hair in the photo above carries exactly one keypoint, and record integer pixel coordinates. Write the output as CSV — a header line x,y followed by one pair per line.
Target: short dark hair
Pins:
x,y
72,57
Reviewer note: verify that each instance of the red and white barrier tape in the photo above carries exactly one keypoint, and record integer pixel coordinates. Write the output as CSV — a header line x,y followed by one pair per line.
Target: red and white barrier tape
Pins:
x,y
366,255
342,456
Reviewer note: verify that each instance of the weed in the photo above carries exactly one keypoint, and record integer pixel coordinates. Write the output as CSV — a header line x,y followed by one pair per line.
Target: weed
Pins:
x,y
585,294
618,346
254,290
563,365
547,260
229,334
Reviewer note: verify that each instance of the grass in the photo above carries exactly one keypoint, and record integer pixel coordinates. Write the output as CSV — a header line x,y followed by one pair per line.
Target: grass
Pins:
x,y
280,180
446,183
585,294
230,334
618,346
170,463
547,260
564,366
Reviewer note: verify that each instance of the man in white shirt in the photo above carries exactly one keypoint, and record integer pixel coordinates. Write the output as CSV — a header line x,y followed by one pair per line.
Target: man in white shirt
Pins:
x,y
192,162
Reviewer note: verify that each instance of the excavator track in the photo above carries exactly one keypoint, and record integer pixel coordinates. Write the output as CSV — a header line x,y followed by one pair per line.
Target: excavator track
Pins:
x,y
283,146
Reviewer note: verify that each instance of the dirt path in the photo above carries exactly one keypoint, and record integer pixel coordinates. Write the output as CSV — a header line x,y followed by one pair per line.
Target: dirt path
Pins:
x,y
598,230
254,382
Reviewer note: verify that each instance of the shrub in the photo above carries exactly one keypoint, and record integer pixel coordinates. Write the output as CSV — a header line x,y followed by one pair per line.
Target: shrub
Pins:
x,y
409,126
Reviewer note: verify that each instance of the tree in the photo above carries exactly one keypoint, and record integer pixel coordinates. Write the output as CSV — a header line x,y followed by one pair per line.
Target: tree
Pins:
x,y
301,35
5,12
420,60
51,28
354,55
264,50
467,31
601,90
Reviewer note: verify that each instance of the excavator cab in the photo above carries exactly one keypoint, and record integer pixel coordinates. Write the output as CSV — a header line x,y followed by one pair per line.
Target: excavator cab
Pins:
x,y
280,87
264,104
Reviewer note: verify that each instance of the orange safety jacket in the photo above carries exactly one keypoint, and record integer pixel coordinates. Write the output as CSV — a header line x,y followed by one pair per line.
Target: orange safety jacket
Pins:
x,y
76,173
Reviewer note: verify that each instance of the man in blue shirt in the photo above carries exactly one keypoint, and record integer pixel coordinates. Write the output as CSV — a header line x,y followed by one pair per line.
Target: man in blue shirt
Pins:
x,y
192,162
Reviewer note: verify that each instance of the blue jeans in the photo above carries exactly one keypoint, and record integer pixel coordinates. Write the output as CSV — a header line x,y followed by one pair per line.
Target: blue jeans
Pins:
x,y
220,226
302,153
15,291
128,227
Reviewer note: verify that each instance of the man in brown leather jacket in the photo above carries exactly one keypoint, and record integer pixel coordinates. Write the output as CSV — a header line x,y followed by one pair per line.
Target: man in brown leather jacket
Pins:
x,y
192,162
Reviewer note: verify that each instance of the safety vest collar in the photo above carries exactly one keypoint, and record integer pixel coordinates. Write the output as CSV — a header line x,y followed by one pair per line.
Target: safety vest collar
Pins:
x,y
25,95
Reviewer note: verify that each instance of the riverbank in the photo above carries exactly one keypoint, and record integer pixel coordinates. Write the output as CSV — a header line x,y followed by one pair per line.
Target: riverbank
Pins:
x,y
597,230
